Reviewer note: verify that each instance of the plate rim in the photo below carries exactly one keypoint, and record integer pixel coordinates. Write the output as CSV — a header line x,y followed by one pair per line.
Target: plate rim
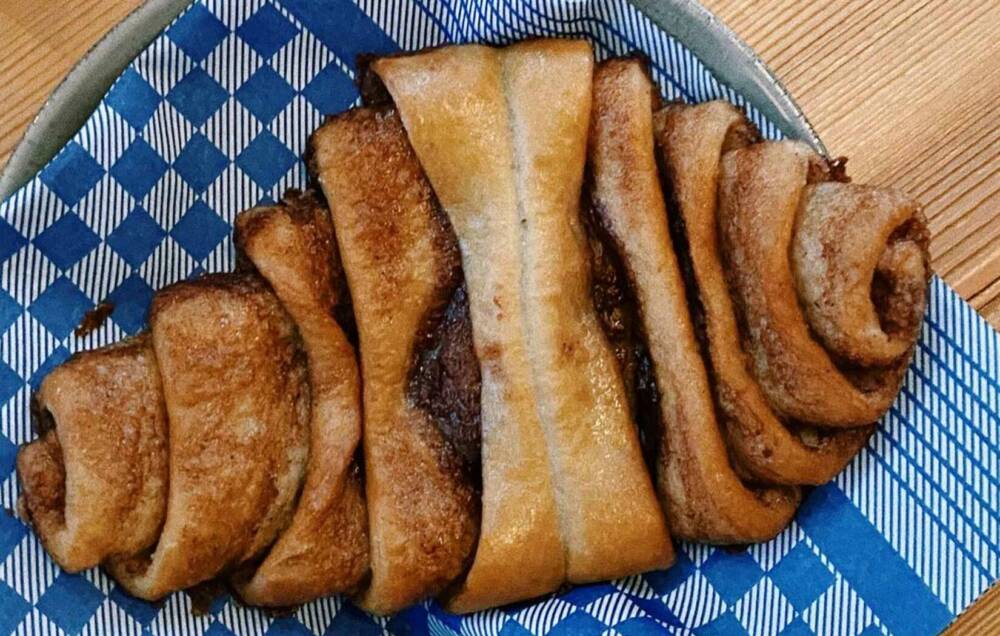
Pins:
x,y
64,112
80,91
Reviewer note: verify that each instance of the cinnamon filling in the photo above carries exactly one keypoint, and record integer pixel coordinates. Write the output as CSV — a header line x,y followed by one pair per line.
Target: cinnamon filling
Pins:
x,y
445,380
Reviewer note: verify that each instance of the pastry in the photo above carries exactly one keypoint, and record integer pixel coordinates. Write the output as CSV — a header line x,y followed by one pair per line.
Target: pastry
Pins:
x,y
403,271
518,500
702,495
94,484
325,549
501,134
237,402
854,256
563,319
691,141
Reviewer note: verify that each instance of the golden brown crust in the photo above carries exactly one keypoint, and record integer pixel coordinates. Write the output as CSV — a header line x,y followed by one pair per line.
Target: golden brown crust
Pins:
x,y
844,228
507,166
325,549
304,225
520,552
422,510
703,496
613,525
691,141
95,485
234,383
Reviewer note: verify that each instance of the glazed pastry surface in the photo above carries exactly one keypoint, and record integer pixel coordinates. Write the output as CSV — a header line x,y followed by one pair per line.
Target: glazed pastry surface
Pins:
x,y
94,485
401,266
237,400
325,549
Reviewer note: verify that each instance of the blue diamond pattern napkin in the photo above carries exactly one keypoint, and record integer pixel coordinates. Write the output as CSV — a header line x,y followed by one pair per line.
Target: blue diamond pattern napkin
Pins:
x,y
213,117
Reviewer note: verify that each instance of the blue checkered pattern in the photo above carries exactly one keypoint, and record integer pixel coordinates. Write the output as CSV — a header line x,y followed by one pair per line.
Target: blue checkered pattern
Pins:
x,y
213,117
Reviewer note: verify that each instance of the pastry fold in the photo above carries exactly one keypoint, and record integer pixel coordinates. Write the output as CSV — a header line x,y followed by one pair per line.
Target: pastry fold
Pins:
x,y
501,134
703,496
808,255
94,485
403,271
237,399
325,549
691,141
520,551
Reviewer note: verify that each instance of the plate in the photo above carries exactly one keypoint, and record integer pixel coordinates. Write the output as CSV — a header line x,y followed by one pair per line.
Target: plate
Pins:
x,y
211,117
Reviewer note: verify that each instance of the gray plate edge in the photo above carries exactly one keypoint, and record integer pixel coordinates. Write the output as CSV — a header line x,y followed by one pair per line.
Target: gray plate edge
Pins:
x,y
73,101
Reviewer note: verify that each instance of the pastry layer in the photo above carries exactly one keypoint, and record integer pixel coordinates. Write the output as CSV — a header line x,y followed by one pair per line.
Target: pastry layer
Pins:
x,y
237,399
501,134
691,141
701,493
612,523
402,268
94,485
520,552
325,549
854,256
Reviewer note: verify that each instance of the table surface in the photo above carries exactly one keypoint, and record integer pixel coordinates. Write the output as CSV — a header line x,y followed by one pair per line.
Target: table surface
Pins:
x,y
908,89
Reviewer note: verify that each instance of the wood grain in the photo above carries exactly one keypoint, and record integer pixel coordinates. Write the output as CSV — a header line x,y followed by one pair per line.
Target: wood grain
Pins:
x,y
40,41
908,89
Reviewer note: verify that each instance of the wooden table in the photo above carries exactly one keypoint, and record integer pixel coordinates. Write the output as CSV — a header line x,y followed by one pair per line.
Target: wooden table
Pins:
x,y
909,89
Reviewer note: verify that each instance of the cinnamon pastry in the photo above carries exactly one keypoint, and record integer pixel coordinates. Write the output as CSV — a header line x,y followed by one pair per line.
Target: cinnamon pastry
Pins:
x,y
403,272
501,134
691,141
702,495
94,485
234,384
853,256
325,549
542,310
